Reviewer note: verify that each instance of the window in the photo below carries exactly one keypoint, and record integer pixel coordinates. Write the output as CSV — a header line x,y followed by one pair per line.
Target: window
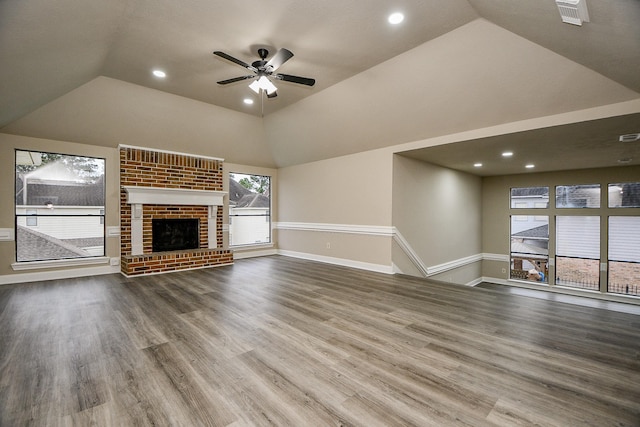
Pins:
x,y
530,197
578,251
624,195
530,248
59,206
32,219
529,235
249,209
579,258
578,196
624,255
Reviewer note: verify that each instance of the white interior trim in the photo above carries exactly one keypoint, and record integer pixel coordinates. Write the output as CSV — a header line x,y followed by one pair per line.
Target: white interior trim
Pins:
x,y
378,230
39,276
379,268
113,231
409,252
139,196
495,257
374,230
428,271
628,299
6,235
451,265
212,222
173,196
55,263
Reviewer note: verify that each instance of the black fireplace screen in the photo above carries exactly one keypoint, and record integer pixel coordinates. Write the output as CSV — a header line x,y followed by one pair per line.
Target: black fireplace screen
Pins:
x,y
175,234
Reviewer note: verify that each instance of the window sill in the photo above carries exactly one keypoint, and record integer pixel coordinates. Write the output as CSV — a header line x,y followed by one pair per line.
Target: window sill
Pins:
x,y
580,292
38,265
530,282
239,248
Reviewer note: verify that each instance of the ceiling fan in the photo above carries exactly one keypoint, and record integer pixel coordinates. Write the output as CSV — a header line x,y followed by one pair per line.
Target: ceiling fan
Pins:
x,y
263,70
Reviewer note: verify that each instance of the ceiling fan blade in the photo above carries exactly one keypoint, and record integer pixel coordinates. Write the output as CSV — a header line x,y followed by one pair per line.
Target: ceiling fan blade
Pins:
x,y
295,79
272,94
234,60
235,79
281,56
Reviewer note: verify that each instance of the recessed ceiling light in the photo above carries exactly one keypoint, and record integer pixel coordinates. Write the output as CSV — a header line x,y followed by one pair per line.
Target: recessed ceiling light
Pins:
x,y
160,74
507,154
477,165
625,160
530,166
395,18
248,101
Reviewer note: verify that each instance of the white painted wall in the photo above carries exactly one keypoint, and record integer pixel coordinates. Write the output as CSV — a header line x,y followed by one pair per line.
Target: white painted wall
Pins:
x,y
439,213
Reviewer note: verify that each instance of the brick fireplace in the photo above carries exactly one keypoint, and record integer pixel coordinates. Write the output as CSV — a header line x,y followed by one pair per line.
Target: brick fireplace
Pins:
x,y
165,185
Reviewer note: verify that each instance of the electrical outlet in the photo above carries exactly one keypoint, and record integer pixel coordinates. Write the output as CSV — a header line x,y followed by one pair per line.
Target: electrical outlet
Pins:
x,y
504,271
328,245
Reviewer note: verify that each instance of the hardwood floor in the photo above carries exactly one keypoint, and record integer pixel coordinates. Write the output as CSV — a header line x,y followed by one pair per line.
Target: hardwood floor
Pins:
x,y
281,341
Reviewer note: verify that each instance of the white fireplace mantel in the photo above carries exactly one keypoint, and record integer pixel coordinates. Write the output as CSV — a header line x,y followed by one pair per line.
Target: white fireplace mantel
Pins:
x,y
139,196
173,196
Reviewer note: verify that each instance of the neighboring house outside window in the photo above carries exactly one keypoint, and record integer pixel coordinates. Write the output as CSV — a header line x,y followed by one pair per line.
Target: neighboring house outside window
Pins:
x,y
529,247
581,221
59,206
32,219
249,209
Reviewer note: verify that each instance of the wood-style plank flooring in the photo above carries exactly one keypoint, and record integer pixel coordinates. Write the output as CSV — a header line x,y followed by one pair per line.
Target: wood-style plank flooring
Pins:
x,y
286,342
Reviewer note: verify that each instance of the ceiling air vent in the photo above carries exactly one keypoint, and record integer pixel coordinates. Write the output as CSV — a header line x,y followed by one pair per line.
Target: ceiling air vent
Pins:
x,y
630,137
573,11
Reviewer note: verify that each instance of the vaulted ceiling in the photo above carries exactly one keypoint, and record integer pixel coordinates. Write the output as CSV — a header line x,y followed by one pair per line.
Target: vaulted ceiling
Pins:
x,y
81,71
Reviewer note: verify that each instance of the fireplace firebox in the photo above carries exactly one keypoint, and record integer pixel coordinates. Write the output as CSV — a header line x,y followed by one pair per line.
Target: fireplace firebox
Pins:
x,y
175,234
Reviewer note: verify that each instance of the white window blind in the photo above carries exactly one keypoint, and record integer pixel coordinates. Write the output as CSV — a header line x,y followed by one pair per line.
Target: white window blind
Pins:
x,y
624,238
578,236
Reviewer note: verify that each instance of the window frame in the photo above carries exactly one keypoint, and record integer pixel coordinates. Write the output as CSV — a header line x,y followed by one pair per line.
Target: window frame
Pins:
x,y
268,216
619,262
560,220
580,187
42,262
621,206
538,259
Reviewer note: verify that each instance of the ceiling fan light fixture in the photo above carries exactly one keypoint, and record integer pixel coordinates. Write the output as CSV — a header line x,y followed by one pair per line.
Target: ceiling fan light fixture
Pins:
x,y
263,83
254,86
262,71
267,85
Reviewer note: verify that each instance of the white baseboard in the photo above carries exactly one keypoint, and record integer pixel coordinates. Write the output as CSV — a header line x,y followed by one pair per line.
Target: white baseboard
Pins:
x,y
474,282
378,268
387,231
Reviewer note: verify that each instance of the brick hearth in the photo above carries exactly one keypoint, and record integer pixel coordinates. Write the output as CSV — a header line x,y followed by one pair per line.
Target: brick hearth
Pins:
x,y
140,167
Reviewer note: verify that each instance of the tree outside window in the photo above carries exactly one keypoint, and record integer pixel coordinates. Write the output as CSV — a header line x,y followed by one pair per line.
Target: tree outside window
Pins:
x,y
59,206
249,209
